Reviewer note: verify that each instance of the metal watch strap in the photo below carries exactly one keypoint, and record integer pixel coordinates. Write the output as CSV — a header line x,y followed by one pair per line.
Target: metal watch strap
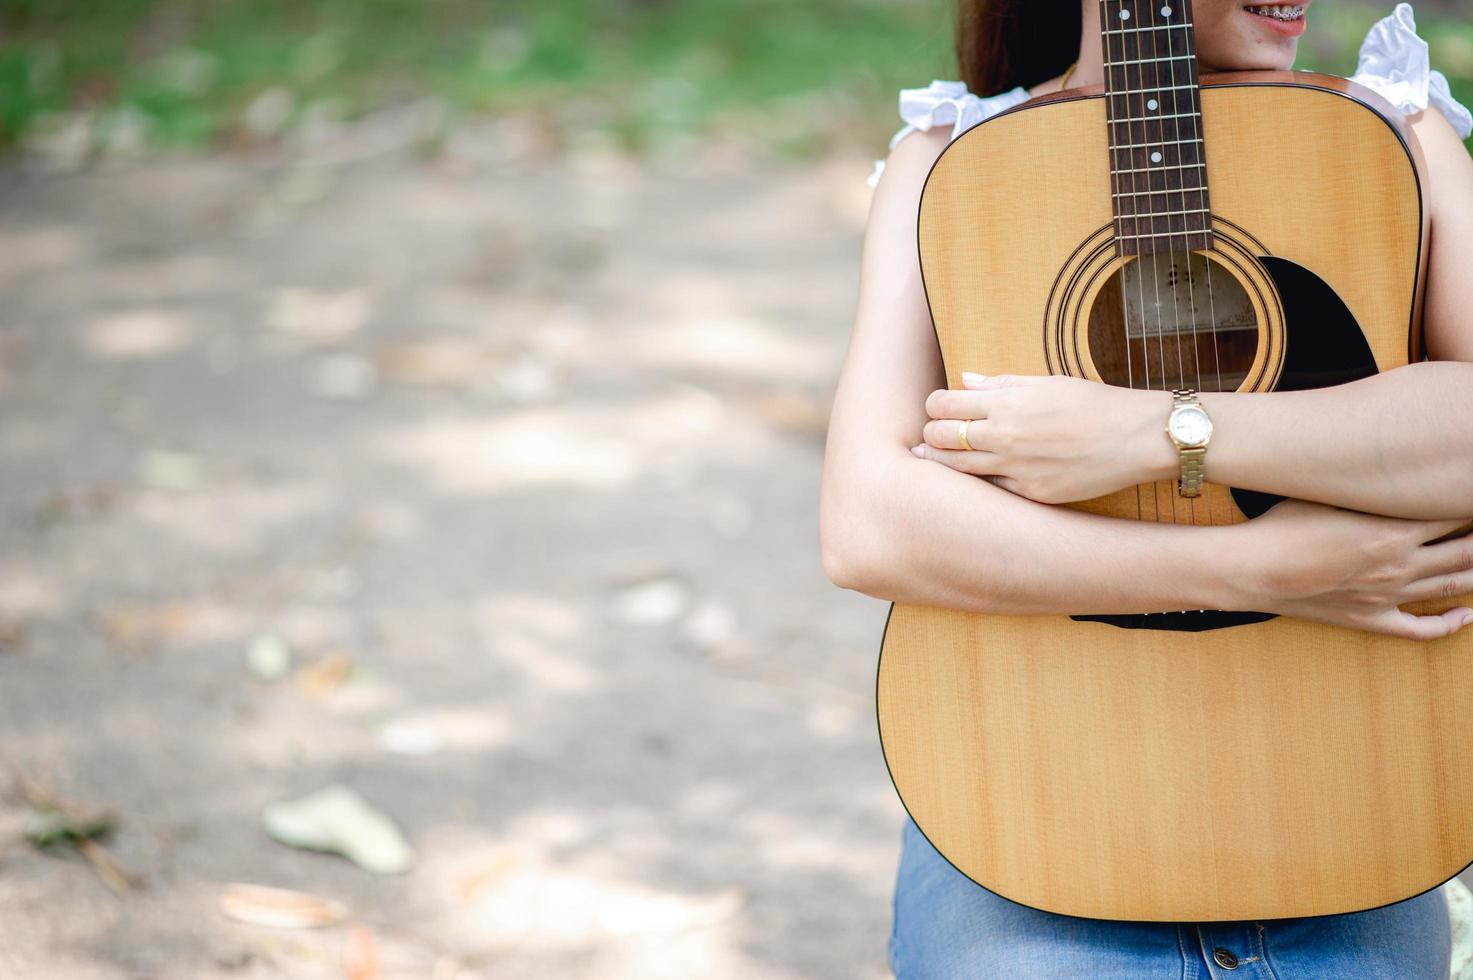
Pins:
x,y
1193,460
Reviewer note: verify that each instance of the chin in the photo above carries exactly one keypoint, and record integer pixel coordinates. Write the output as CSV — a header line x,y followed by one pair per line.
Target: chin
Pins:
x,y
1255,58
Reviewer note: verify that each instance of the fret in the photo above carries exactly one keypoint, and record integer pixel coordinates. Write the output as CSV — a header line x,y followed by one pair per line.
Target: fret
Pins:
x,y
1170,115
1158,167
1176,120
1167,214
1164,234
1161,27
1169,190
1143,91
1147,61
1145,146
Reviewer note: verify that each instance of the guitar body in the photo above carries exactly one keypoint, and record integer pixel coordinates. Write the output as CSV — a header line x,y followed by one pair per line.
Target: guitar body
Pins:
x,y
1189,766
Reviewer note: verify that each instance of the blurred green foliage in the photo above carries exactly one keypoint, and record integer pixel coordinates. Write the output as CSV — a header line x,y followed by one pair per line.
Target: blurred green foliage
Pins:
x,y
803,72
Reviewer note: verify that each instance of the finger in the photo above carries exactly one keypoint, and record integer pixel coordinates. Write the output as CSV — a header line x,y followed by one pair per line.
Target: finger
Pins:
x,y
947,434
1440,587
954,403
1399,622
983,382
1444,558
975,463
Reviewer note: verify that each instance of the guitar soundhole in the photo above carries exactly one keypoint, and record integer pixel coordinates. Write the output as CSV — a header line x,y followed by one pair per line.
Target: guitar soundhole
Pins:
x,y
1173,320
1323,346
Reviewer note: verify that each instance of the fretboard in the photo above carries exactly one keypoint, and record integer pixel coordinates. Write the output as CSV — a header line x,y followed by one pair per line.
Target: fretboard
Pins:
x,y
1158,160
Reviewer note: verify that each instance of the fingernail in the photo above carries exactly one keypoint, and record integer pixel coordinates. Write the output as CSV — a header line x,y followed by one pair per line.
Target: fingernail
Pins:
x,y
972,378
917,451
1468,619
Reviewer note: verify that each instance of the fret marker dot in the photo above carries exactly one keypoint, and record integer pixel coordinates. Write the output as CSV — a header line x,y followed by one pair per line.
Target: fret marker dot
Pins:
x,y
1152,104
1165,11
1125,15
1155,158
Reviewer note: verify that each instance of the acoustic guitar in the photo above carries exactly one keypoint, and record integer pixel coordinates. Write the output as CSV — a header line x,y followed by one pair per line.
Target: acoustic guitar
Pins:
x,y
1237,232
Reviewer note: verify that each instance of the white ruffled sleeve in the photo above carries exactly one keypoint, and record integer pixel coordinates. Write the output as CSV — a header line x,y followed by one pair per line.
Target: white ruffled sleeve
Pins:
x,y
1394,62
942,103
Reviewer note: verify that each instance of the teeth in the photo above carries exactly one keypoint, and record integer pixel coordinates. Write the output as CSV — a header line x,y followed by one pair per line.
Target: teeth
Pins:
x,y
1279,12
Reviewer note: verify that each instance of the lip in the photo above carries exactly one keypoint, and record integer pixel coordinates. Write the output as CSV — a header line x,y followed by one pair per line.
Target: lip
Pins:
x,y
1288,28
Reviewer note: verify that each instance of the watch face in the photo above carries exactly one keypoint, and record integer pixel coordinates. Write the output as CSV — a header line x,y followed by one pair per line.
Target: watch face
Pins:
x,y
1191,426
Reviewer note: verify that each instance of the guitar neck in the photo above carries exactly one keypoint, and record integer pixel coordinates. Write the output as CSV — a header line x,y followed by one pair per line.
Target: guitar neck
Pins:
x,y
1158,158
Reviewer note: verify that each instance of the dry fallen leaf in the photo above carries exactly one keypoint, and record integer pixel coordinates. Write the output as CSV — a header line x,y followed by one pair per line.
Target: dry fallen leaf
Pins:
x,y
323,675
360,958
338,820
437,361
472,886
140,626
318,316
283,908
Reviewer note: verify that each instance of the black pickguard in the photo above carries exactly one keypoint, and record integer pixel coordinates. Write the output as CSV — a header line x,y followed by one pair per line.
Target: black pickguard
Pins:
x,y
1324,346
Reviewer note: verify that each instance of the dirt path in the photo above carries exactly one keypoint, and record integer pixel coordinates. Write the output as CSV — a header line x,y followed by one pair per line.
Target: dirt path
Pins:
x,y
522,463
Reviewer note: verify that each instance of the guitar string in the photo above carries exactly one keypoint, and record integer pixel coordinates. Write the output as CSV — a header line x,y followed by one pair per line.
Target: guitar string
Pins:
x,y
1125,37
1139,91
1155,61
1130,114
1151,178
1190,46
1201,145
1173,251
1116,183
1189,51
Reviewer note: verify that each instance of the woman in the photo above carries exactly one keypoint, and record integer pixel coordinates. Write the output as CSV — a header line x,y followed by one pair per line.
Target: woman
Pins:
x,y
910,515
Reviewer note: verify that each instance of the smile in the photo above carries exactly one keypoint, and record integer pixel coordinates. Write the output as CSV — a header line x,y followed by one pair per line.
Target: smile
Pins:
x,y
1279,12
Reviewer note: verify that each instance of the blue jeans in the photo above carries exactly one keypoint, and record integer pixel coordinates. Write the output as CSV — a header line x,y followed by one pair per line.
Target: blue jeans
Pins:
x,y
947,927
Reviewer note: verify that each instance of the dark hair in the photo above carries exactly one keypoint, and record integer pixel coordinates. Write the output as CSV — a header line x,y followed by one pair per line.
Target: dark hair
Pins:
x,y
1001,44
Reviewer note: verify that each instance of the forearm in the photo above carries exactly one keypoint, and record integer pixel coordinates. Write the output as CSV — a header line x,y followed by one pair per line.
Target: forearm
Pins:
x,y
933,536
1398,443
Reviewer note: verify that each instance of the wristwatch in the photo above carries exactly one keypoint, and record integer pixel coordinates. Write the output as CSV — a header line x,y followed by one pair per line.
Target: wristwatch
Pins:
x,y
1190,428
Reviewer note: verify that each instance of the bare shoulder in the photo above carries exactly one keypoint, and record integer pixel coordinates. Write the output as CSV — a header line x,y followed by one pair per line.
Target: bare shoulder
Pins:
x,y
919,150
891,262
906,170
1448,189
1450,168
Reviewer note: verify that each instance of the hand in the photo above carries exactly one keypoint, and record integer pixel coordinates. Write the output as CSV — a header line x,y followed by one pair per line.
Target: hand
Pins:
x,y
1051,438
1348,568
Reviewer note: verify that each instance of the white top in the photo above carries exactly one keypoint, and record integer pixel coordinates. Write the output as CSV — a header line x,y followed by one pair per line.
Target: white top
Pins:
x,y
1393,62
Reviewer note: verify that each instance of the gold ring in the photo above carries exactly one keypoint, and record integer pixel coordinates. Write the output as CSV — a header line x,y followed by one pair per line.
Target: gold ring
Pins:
x,y
962,435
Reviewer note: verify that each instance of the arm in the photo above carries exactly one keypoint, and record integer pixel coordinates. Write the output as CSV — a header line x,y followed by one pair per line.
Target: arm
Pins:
x,y
903,529
932,536
1398,443
896,527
